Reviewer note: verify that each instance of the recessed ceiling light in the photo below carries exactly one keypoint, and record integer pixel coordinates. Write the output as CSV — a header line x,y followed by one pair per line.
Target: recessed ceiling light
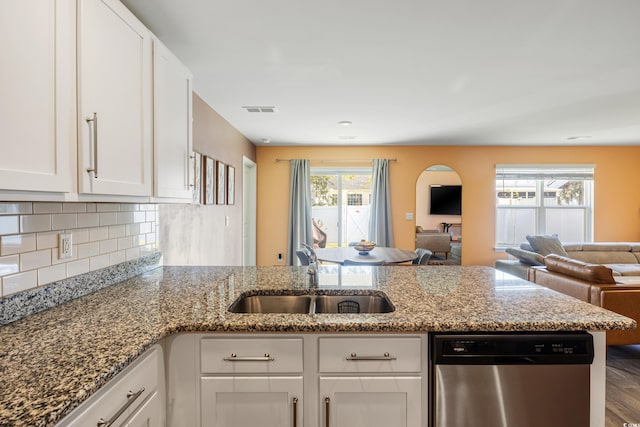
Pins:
x,y
266,140
345,123
573,138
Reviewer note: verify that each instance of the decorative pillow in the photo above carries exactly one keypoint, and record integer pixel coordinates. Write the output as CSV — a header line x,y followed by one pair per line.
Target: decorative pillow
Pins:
x,y
526,257
594,273
545,245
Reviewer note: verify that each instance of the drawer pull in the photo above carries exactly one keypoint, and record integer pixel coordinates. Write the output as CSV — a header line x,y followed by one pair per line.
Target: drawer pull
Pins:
x,y
386,356
235,358
327,402
295,412
131,397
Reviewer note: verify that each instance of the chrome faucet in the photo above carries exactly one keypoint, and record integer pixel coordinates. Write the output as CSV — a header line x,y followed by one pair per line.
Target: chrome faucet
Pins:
x,y
312,271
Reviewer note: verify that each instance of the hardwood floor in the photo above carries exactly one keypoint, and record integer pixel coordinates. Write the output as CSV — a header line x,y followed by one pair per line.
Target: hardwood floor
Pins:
x,y
623,385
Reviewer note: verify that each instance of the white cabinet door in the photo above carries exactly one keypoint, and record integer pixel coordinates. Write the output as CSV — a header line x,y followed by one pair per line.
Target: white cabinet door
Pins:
x,y
37,105
148,415
251,401
114,84
173,171
370,401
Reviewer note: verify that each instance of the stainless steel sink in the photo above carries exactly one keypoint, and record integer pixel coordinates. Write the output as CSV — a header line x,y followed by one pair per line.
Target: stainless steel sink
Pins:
x,y
353,304
272,304
324,303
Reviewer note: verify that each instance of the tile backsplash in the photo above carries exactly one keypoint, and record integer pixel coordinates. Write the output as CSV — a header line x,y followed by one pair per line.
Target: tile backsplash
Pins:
x,y
103,234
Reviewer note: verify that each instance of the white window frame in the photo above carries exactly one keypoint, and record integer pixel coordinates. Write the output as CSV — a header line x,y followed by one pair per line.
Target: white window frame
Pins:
x,y
541,173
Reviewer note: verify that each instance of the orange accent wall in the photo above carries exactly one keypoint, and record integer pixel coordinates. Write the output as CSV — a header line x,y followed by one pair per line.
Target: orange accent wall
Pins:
x,y
617,199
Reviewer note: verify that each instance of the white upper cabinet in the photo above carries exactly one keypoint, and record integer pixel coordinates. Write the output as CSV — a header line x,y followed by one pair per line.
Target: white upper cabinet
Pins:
x,y
114,94
172,122
37,105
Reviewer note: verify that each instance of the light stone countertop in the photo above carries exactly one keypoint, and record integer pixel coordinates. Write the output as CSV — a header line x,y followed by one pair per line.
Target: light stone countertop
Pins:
x,y
52,361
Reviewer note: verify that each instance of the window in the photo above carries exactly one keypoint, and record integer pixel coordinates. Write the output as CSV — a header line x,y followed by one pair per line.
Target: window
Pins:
x,y
340,203
543,199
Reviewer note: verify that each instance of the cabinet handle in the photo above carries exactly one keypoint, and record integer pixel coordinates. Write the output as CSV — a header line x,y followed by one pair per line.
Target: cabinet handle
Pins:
x,y
295,412
235,358
386,356
94,169
327,401
131,397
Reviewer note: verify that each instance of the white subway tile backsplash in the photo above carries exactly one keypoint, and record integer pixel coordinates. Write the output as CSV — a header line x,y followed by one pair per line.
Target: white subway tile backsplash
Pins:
x,y
117,231
17,243
108,207
133,229
98,262
51,274
96,234
19,282
108,218
62,221
75,268
139,217
87,250
117,257
145,228
107,246
9,265
9,224
47,208
103,234
47,240
34,223
74,207
133,253
80,235
88,220
125,217
35,260
125,242
11,208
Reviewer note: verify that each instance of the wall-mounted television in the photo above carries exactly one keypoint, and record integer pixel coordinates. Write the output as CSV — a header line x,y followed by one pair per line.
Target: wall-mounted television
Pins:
x,y
445,200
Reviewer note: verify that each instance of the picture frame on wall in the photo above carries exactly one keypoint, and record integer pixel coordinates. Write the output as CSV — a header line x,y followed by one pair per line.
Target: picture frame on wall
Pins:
x,y
231,190
197,178
209,180
221,191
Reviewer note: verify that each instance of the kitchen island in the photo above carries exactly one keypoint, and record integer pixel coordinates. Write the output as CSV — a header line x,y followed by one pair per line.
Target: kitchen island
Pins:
x,y
52,361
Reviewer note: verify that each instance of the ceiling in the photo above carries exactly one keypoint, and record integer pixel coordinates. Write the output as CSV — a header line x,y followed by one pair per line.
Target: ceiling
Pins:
x,y
412,72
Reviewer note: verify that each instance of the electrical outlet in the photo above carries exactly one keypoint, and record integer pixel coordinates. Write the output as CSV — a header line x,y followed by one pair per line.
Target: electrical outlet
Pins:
x,y
64,246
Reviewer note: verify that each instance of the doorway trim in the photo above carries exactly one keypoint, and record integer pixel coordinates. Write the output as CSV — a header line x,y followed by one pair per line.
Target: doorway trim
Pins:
x,y
249,218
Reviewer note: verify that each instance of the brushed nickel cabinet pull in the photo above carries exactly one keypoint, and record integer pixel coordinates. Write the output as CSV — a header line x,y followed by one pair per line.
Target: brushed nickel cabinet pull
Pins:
x,y
131,397
94,169
386,356
295,412
327,401
235,358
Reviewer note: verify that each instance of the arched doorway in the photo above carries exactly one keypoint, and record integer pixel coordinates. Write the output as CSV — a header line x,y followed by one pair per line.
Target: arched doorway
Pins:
x,y
439,213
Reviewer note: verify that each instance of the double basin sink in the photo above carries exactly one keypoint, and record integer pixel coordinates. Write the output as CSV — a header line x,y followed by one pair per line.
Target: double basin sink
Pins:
x,y
365,302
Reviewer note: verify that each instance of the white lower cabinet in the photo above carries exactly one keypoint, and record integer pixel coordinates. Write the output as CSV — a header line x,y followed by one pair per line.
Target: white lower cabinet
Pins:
x,y
134,398
312,380
370,401
251,401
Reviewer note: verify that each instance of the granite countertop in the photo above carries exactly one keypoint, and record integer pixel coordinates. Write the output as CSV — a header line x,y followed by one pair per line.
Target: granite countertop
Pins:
x,y
52,361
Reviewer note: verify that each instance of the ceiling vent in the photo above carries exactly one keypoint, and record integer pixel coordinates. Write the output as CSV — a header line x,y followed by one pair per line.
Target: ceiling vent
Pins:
x,y
259,109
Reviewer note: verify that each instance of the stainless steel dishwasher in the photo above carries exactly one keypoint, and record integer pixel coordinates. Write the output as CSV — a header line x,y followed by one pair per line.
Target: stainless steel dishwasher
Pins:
x,y
510,379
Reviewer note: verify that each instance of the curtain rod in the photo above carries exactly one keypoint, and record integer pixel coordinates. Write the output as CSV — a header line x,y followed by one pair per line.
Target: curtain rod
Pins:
x,y
337,160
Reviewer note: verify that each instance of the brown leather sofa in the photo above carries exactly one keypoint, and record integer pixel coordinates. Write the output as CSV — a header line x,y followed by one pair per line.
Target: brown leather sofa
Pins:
x,y
595,284
434,241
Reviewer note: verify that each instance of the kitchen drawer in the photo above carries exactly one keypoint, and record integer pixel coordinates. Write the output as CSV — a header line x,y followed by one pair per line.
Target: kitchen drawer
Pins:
x,y
142,375
251,355
371,355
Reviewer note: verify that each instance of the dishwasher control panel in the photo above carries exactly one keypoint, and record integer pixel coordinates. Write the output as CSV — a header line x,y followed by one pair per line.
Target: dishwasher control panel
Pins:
x,y
546,348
